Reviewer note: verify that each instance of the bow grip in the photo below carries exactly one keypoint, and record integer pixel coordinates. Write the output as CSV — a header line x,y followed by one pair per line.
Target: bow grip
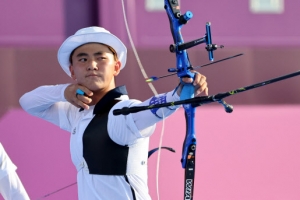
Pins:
x,y
187,91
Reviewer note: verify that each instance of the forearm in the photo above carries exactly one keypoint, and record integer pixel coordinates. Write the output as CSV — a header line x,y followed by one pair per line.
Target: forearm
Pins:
x,y
148,118
44,102
42,98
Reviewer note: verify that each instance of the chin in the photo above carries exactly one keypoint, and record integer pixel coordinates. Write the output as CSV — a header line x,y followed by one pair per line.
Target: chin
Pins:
x,y
94,88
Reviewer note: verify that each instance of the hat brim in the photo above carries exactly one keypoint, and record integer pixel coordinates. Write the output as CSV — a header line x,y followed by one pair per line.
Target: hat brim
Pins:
x,y
75,41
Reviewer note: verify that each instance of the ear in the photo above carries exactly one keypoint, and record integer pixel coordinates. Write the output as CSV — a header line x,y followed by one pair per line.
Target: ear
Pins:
x,y
117,68
72,72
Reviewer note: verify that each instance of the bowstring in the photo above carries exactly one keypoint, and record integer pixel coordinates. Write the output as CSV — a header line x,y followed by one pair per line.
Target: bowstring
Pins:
x,y
135,51
152,89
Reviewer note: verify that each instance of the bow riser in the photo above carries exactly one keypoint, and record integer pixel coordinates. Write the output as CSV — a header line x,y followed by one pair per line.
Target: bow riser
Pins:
x,y
176,22
183,70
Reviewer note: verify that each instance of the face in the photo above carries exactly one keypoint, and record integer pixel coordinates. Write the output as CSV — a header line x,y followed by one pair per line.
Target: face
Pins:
x,y
94,66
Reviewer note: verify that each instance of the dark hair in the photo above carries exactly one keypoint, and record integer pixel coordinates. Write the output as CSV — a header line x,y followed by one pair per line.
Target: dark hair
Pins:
x,y
109,47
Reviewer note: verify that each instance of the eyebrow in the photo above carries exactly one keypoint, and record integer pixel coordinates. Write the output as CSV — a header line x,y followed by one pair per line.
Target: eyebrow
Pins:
x,y
85,54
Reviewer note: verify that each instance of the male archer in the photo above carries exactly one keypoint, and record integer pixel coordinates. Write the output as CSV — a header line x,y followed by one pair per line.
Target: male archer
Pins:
x,y
109,152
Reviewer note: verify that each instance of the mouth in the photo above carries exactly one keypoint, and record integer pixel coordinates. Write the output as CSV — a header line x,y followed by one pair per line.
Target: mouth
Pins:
x,y
92,75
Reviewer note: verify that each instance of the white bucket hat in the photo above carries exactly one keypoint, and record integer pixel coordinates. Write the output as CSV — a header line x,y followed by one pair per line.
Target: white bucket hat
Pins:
x,y
88,35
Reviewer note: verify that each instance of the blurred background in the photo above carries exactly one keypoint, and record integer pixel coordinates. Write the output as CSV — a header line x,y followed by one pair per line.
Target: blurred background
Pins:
x,y
250,154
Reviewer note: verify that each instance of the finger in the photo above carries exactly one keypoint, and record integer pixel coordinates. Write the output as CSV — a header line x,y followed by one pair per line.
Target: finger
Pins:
x,y
82,104
84,90
202,79
79,92
202,88
187,80
197,79
206,91
84,99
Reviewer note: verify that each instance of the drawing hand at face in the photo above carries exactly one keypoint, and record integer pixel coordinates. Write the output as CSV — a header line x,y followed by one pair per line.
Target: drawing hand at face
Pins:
x,y
199,84
80,101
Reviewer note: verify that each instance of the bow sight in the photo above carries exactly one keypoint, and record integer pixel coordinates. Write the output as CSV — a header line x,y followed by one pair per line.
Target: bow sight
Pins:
x,y
205,39
183,19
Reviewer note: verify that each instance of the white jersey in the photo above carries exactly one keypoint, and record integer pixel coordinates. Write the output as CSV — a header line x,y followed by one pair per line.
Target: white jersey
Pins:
x,y
133,130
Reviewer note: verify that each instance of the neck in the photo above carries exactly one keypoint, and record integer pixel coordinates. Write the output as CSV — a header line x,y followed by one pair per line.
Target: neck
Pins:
x,y
99,94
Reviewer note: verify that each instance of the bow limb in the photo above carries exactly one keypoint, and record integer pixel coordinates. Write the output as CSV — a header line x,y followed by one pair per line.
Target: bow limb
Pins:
x,y
152,89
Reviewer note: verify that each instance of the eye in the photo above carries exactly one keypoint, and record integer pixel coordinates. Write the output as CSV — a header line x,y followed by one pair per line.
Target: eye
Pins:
x,y
82,60
102,58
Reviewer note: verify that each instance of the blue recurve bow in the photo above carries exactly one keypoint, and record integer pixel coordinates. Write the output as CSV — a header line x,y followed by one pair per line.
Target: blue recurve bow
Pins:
x,y
177,20
187,99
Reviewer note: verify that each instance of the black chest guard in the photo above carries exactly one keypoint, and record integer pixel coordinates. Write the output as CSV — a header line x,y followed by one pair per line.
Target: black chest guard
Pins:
x,y
102,155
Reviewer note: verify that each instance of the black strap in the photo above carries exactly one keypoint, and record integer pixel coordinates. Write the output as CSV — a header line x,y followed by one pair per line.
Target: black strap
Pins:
x,y
154,150
132,190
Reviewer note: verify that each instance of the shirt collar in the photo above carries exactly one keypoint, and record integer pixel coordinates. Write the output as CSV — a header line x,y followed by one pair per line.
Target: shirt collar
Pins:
x,y
109,98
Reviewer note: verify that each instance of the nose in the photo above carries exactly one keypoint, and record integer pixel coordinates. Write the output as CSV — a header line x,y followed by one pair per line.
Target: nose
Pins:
x,y
93,65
